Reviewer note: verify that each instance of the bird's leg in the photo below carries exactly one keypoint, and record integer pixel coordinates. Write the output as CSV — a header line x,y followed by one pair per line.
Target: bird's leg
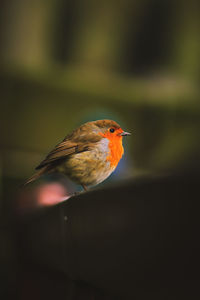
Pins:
x,y
85,187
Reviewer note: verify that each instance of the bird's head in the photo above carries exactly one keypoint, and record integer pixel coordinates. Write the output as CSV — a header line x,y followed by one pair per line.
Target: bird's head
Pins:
x,y
110,129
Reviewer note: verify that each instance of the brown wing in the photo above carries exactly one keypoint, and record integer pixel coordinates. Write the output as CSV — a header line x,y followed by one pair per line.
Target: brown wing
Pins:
x,y
71,144
61,151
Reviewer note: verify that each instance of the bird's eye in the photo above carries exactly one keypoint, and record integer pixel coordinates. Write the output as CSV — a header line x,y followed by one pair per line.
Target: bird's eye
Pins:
x,y
112,130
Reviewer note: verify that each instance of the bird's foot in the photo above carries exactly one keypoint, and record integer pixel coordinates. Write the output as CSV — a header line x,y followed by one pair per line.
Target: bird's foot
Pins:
x,y
79,193
76,193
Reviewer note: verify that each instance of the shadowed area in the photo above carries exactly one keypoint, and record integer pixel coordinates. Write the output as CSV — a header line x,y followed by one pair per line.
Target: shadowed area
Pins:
x,y
140,239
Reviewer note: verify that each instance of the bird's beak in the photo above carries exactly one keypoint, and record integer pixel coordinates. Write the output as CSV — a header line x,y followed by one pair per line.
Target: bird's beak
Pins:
x,y
124,133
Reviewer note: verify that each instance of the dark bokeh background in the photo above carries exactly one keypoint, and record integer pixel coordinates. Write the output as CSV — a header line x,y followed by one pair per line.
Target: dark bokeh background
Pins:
x,y
67,62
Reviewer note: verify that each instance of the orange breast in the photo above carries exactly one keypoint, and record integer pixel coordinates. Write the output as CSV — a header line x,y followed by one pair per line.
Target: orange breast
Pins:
x,y
116,150
115,146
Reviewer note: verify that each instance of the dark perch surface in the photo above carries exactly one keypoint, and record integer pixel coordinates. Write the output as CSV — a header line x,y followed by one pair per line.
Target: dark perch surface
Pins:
x,y
139,240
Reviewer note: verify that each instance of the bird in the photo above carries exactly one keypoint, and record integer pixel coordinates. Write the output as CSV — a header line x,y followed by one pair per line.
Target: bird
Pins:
x,y
87,156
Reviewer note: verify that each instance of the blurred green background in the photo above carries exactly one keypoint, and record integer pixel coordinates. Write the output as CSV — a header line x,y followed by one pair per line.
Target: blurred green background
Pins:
x,y
67,62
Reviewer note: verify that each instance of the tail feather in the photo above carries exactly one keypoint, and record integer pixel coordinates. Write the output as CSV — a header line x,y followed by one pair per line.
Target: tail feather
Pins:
x,y
36,175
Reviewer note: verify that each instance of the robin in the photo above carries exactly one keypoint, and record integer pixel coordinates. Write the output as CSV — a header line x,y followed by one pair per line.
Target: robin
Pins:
x,y
88,155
